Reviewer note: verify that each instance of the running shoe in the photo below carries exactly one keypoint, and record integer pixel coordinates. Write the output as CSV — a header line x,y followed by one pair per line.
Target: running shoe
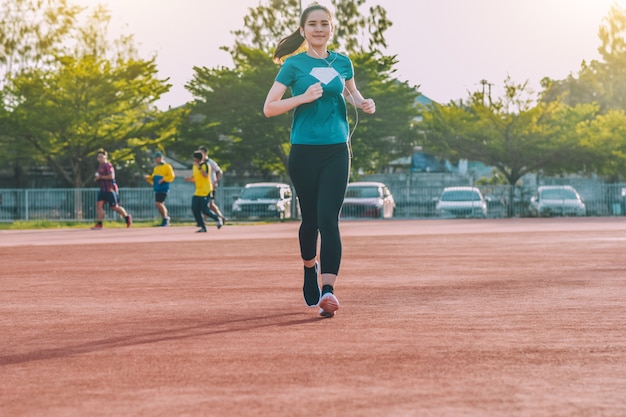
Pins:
x,y
201,230
97,227
129,220
219,224
165,222
311,289
328,305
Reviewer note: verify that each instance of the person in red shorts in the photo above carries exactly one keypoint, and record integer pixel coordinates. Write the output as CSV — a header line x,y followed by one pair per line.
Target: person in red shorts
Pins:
x,y
109,192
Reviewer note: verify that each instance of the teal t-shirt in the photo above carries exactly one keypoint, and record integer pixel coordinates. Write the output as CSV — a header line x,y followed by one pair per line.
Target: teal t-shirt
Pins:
x,y
324,121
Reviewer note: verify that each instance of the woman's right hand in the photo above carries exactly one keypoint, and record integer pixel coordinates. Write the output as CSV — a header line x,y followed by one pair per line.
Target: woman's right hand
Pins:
x,y
313,92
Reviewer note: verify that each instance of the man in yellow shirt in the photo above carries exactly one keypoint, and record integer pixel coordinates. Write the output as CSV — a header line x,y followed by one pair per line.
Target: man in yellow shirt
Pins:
x,y
161,178
201,176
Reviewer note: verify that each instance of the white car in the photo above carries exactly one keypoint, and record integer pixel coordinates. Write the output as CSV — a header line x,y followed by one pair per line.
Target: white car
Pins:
x,y
457,202
368,199
264,200
557,200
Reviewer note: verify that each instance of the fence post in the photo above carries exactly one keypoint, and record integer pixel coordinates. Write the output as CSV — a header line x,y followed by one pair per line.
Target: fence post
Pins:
x,y
26,205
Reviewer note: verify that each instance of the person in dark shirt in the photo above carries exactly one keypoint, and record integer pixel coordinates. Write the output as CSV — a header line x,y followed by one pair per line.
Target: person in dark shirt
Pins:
x,y
109,192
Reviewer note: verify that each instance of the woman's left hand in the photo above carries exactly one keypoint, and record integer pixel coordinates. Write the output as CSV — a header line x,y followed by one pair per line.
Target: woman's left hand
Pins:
x,y
368,106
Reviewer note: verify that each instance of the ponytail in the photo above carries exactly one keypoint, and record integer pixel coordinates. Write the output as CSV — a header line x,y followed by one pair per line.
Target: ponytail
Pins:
x,y
288,45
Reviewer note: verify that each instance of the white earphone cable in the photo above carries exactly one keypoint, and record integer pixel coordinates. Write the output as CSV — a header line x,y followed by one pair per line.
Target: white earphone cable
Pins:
x,y
356,123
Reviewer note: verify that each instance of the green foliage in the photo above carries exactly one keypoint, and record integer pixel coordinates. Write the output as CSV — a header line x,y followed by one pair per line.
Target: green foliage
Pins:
x,y
355,31
227,110
228,115
265,24
358,32
599,81
65,115
604,139
512,134
32,33
79,93
387,134
75,92
496,179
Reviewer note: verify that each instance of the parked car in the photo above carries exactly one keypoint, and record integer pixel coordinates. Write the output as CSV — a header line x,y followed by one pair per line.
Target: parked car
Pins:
x,y
457,202
557,200
368,199
263,200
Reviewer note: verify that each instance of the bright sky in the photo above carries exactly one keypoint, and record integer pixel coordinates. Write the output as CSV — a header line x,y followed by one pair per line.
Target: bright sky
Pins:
x,y
445,46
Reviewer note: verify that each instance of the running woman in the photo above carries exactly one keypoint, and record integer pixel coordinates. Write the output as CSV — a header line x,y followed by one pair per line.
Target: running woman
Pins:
x,y
321,81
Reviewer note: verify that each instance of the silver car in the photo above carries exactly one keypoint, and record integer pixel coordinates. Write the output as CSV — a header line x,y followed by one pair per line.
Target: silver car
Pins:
x,y
263,200
368,199
557,200
457,202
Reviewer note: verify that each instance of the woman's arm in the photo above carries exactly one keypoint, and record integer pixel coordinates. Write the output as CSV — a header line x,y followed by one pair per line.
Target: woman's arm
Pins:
x,y
275,105
354,97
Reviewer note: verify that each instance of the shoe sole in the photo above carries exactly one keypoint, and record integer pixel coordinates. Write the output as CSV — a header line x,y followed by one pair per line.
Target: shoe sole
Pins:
x,y
328,306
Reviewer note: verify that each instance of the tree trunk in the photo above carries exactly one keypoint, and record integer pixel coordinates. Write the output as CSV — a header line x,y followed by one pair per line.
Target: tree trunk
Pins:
x,y
19,176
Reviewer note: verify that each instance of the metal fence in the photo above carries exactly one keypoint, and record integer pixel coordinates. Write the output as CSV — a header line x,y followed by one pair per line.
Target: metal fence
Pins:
x,y
69,204
79,204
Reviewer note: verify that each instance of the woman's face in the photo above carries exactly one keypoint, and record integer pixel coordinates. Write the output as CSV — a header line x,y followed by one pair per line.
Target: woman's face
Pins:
x,y
318,28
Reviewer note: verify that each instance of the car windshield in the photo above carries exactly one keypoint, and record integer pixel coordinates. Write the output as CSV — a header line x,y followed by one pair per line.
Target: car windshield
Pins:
x,y
255,193
362,192
558,194
460,195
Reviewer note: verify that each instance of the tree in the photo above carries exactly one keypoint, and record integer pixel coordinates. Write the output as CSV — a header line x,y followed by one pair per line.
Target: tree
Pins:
x,y
604,139
65,115
354,30
515,134
229,101
32,33
600,81
603,84
389,133
63,112
229,105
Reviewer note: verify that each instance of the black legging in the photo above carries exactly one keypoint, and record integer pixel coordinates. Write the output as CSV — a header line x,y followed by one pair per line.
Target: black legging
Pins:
x,y
199,206
320,175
